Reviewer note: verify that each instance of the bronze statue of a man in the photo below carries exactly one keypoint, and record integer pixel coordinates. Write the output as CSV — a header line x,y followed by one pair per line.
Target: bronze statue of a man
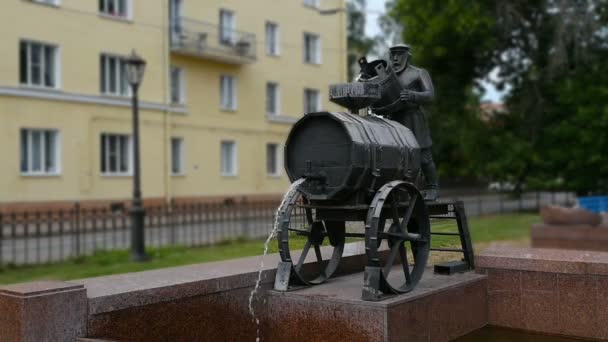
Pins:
x,y
417,91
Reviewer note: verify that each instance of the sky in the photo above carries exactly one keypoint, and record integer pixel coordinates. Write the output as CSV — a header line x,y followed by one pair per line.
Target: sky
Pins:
x,y
376,7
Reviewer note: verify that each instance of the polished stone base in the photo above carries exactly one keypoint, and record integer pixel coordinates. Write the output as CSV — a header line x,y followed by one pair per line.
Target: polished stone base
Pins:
x,y
441,308
550,291
580,237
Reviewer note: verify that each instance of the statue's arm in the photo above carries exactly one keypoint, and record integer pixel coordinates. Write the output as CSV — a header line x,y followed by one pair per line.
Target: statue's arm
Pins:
x,y
427,93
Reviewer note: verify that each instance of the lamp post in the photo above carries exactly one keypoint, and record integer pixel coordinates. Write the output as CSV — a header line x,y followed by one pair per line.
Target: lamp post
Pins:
x,y
135,73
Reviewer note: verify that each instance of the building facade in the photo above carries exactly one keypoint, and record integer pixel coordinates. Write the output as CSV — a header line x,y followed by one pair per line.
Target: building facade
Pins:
x,y
224,82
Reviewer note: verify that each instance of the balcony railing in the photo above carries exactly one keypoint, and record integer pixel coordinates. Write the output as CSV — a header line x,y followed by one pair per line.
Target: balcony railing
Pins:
x,y
210,41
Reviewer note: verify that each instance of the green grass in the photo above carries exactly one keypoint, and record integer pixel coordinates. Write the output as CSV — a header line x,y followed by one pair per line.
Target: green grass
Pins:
x,y
484,229
489,228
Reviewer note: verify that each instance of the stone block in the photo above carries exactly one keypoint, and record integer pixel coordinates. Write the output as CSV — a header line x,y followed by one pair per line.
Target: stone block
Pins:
x,y
577,305
441,308
557,215
539,310
579,237
561,292
43,311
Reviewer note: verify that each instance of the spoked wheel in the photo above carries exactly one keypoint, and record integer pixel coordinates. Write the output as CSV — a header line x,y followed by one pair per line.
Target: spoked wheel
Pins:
x,y
398,216
297,221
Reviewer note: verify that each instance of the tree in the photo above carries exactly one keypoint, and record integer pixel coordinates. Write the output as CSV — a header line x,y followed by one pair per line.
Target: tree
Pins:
x,y
455,41
358,43
551,53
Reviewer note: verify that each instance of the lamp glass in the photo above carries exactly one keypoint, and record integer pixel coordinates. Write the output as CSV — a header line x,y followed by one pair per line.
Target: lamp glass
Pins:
x,y
135,69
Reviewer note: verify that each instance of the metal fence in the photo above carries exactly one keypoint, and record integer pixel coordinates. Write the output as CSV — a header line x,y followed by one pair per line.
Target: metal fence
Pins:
x,y
37,237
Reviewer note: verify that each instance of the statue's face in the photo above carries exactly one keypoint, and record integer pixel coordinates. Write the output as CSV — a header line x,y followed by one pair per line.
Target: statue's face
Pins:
x,y
399,60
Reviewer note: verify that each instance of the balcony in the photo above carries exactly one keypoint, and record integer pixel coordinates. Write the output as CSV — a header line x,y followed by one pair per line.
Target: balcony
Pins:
x,y
209,41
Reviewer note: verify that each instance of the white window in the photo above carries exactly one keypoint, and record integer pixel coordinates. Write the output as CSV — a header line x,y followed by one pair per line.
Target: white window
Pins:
x,y
48,2
116,154
115,8
312,48
272,98
113,71
228,161
178,93
177,156
38,64
312,101
272,39
273,160
176,10
39,152
227,27
228,92
312,3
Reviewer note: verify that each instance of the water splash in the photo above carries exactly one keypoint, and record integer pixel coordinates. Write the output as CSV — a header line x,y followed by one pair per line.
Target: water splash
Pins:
x,y
290,192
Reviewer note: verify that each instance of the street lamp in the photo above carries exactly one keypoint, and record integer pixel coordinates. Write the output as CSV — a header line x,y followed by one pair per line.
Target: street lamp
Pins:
x,y
135,73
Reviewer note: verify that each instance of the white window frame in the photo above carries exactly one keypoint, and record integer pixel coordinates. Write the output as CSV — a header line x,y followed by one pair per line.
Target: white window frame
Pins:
x,y
181,85
234,159
227,27
120,75
277,98
180,157
104,5
228,93
273,39
306,102
48,2
118,152
43,67
56,171
313,57
312,3
277,159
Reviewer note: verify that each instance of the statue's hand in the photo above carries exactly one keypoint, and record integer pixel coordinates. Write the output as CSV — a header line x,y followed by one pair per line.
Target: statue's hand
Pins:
x,y
406,96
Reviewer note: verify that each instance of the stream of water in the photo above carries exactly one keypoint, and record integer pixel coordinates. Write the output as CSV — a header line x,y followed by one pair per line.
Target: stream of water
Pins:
x,y
292,189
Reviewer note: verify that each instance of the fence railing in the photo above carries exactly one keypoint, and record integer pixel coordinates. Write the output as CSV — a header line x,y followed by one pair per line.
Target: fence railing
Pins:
x,y
37,237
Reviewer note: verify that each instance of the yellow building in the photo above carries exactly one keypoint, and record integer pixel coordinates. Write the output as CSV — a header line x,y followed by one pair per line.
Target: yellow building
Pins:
x,y
224,82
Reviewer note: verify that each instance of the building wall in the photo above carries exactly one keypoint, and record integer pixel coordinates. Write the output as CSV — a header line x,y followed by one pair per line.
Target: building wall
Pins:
x,y
80,113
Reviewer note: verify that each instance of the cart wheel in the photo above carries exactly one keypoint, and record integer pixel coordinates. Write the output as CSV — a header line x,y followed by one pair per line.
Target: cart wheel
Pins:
x,y
398,215
297,221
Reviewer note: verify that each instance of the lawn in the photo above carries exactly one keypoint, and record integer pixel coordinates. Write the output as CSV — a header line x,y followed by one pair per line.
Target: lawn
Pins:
x,y
483,230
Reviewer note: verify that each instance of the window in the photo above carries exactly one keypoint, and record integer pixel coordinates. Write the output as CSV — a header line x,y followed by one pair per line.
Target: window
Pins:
x,y
273,158
48,2
272,98
228,158
178,94
312,101
116,154
228,92
115,8
177,156
272,39
39,152
312,3
227,27
312,48
113,70
38,64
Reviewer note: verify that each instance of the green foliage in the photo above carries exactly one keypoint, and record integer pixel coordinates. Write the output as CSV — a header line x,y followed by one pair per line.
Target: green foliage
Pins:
x,y
358,44
551,54
454,40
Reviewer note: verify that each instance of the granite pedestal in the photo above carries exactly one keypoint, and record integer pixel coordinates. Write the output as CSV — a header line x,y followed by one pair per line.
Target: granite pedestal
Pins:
x,y
550,291
441,308
579,236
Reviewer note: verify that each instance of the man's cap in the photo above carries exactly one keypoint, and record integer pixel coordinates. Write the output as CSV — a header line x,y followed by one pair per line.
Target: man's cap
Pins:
x,y
400,47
